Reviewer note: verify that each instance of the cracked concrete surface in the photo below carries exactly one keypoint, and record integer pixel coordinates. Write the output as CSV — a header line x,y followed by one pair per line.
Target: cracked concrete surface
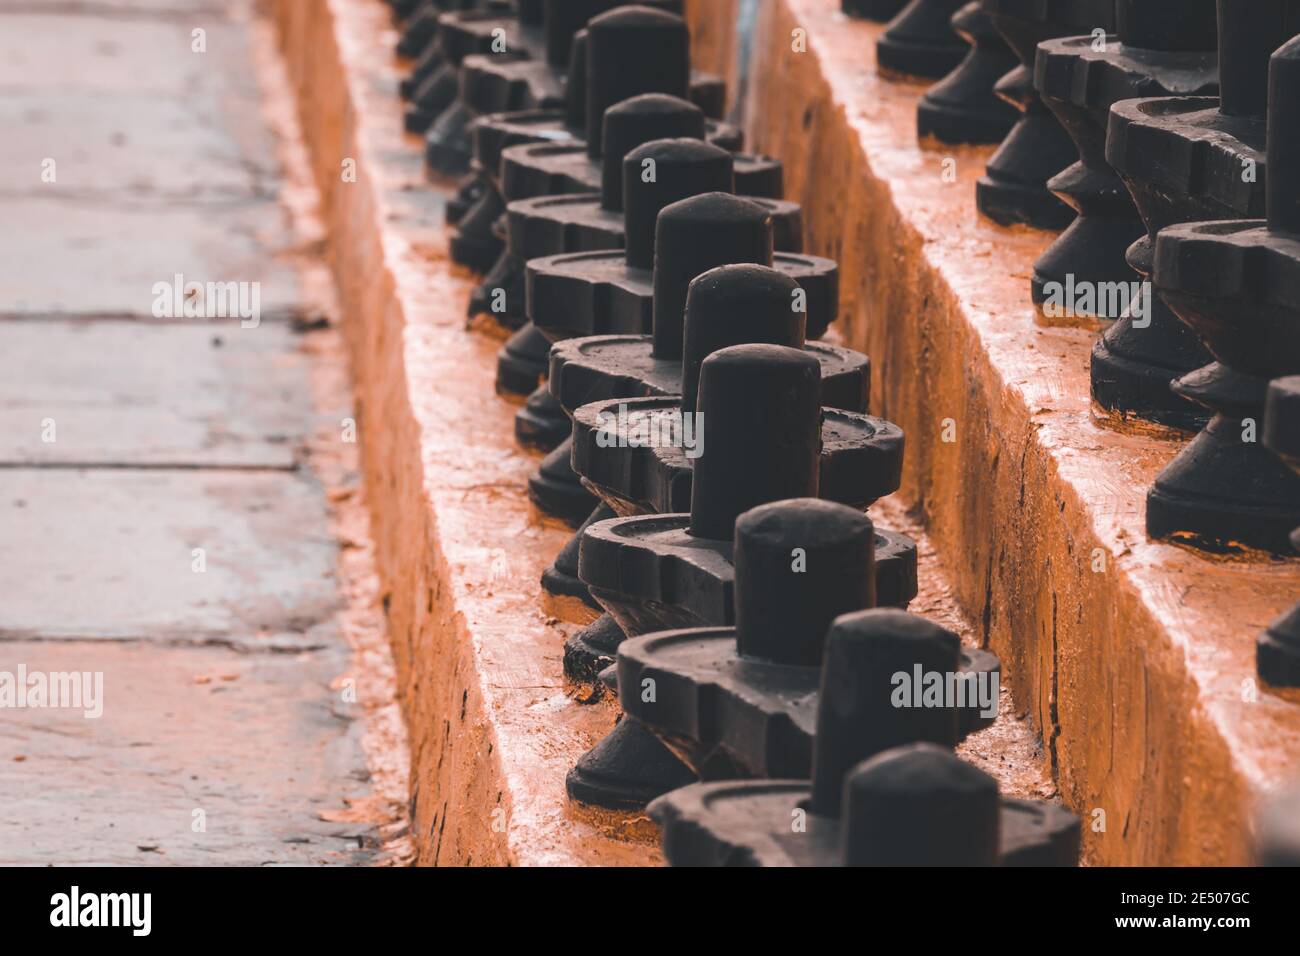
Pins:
x,y
180,501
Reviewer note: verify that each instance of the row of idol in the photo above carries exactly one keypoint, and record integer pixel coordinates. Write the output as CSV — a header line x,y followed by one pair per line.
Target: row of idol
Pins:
x,y
1160,141
715,458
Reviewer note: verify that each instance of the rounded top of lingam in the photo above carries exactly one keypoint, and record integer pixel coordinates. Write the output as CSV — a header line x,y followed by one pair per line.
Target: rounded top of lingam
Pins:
x,y
660,173
732,305
919,805
800,563
636,121
633,50
693,236
858,714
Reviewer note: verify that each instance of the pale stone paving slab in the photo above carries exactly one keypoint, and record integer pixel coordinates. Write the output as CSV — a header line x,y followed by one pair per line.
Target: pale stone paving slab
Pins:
x,y
170,537
107,554
124,146
259,744
47,53
73,258
136,393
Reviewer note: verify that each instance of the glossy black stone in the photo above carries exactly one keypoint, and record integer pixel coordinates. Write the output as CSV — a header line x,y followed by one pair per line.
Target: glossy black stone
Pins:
x,y
886,788
768,438
1014,186
544,152
1187,159
920,41
1162,48
605,293
728,305
748,693
962,107
779,387
1237,285
696,236
681,168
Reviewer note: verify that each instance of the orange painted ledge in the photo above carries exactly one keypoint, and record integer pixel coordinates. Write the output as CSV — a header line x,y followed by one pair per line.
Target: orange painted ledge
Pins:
x,y
1140,677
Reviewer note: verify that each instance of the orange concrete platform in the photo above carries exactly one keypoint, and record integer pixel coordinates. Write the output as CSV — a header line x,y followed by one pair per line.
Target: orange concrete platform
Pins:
x,y
493,728
1140,675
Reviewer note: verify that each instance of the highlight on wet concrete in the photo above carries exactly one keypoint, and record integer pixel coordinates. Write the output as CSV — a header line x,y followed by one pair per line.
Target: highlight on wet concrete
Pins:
x,y
191,634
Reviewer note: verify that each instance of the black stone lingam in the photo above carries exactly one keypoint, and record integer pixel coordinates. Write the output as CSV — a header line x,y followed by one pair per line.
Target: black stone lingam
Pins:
x,y
1277,832
920,41
1014,186
584,220
566,169
580,219
499,83
1277,651
732,304
418,19
746,696
1237,284
1162,48
727,305
607,293
682,168
557,137
1187,159
918,805
428,56
616,292
962,107
461,34
880,10
613,291
885,789
759,434
763,406
506,82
